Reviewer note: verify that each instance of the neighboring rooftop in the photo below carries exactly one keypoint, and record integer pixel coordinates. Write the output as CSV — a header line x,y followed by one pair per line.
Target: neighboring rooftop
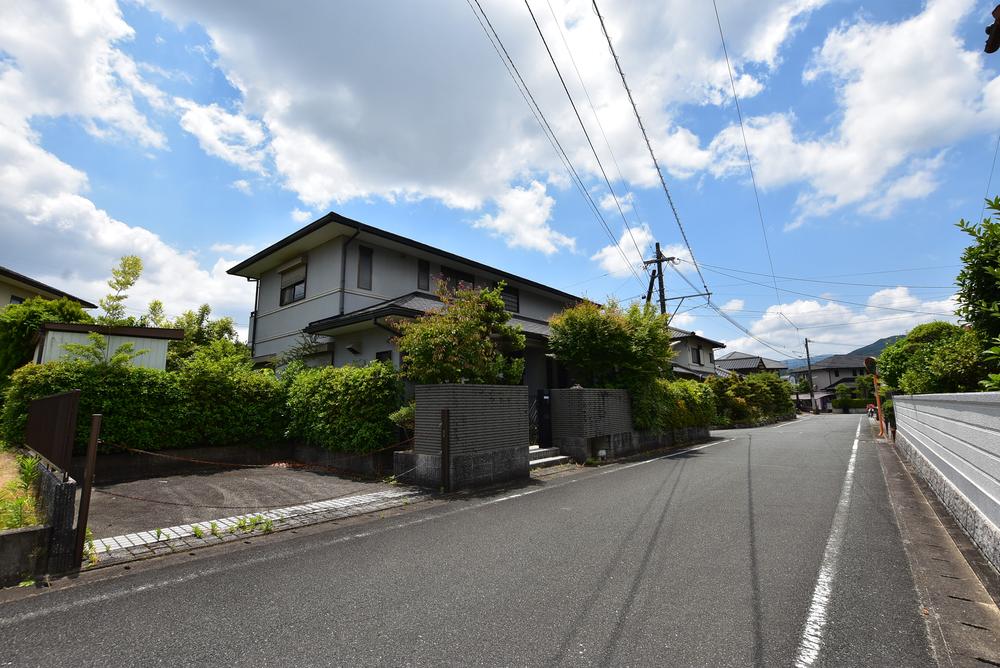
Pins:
x,y
841,362
677,333
737,361
37,286
333,225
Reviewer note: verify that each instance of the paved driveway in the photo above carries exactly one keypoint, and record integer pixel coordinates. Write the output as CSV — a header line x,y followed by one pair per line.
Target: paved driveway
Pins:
x,y
182,499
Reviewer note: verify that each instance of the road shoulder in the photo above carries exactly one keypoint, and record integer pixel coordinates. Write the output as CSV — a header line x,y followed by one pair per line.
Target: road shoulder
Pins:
x,y
963,621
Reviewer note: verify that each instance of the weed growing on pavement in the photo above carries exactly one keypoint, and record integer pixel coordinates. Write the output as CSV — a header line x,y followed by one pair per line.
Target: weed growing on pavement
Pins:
x,y
89,551
215,529
26,583
159,534
268,526
198,531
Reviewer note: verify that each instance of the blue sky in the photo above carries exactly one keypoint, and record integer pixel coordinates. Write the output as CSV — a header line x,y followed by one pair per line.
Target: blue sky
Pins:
x,y
194,133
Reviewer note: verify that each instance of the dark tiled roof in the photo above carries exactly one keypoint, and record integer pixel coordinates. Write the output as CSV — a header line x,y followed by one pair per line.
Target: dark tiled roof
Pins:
x,y
737,361
41,287
677,333
841,362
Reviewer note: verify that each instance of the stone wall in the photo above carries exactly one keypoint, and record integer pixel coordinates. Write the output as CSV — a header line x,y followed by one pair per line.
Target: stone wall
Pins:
x,y
23,553
953,440
488,435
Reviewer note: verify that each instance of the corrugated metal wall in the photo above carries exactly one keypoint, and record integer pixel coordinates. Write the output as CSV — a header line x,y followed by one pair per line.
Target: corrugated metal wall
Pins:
x,y
954,441
155,356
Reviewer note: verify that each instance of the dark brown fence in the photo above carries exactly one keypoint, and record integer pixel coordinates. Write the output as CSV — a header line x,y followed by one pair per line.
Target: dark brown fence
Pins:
x,y
52,427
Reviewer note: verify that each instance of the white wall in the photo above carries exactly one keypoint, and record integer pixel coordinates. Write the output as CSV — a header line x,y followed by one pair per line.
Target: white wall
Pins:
x,y
155,356
954,441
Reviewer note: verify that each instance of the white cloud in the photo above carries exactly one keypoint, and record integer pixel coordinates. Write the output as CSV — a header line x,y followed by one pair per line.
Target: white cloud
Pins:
x,y
610,203
243,186
234,138
611,259
883,76
45,220
300,216
733,305
839,328
523,220
426,110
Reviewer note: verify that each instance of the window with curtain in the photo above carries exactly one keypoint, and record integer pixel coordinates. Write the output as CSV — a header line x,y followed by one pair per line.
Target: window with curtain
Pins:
x,y
293,285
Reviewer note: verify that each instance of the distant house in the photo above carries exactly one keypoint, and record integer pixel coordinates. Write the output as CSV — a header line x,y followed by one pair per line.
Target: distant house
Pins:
x,y
15,288
832,371
153,340
745,364
338,279
695,354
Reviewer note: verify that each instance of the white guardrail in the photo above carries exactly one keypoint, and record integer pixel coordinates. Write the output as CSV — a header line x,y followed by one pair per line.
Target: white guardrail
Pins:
x,y
953,440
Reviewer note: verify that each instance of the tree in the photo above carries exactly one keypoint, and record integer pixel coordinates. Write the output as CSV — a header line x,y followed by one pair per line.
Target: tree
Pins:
x,y
123,277
468,340
803,386
913,351
199,331
604,346
19,324
936,357
865,385
979,280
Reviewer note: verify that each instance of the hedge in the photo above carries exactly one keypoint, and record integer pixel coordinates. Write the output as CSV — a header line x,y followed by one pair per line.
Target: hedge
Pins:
x,y
150,409
751,399
344,408
673,404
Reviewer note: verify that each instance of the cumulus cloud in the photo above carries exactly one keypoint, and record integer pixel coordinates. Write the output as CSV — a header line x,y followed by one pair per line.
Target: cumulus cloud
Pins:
x,y
733,305
621,259
612,204
232,137
522,220
243,186
300,216
883,75
44,214
839,328
237,250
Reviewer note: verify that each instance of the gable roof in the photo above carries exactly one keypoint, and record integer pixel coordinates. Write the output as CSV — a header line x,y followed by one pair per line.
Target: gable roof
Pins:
x,y
38,286
333,225
677,333
738,361
841,362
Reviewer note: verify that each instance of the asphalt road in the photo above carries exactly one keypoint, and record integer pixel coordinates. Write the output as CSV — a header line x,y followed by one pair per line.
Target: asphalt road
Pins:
x,y
709,558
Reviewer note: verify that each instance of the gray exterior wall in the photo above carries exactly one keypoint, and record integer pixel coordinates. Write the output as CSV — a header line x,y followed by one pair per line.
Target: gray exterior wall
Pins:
x,y
588,413
685,355
953,440
823,378
394,274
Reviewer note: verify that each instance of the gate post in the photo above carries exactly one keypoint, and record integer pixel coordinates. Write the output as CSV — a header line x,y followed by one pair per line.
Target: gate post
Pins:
x,y
445,450
544,417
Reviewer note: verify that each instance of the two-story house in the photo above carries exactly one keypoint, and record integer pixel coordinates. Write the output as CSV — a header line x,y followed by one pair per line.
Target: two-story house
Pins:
x,y
16,288
695,354
339,280
744,364
832,371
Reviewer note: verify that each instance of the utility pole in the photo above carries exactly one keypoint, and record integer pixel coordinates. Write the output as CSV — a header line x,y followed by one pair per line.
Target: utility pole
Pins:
x,y
657,275
809,364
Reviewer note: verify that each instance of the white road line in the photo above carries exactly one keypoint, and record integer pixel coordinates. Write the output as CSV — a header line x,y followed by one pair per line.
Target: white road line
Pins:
x,y
812,633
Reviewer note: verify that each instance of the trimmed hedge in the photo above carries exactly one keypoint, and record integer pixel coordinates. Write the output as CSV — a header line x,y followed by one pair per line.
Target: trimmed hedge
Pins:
x,y
150,409
673,404
344,409
751,399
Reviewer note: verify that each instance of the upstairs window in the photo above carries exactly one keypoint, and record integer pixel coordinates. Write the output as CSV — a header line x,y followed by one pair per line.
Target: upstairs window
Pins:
x,y
293,285
383,356
511,299
14,299
458,279
423,275
696,354
365,268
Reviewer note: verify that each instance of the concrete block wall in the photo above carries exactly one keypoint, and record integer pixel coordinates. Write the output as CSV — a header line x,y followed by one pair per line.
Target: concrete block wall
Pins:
x,y
953,440
58,498
589,413
483,417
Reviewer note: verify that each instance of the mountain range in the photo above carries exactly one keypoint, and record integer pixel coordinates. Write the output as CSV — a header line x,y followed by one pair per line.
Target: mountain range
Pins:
x,y
871,350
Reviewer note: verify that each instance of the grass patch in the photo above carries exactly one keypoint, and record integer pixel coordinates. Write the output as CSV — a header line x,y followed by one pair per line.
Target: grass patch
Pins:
x,y
18,478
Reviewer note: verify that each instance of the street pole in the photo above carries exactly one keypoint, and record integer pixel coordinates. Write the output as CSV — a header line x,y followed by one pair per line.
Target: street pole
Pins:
x,y
659,278
812,397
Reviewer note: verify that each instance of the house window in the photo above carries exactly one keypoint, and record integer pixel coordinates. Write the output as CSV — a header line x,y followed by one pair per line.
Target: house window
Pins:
x,y
14,299
711,356
293,285
511,299
364,268
423,275
696,354
836,373
383,356
458,279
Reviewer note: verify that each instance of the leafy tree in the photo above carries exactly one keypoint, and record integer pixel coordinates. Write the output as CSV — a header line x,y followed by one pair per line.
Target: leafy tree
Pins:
x,y
199,331
468,340
979,280
913,351
803,386
19,324
865,386
604,346
123,277
96,351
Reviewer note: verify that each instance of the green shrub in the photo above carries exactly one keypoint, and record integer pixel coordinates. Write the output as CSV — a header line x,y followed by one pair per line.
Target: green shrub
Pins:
x,y
19,324
344,409
852,403
673,405
210,403
751,399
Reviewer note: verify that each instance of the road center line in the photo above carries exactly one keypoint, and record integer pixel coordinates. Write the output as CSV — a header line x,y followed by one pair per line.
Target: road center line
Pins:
x,y
812,633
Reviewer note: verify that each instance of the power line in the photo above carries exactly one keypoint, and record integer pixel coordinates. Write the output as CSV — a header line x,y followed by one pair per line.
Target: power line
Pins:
x,y
989,181
816,280
586,134
649,146
746,147
543,123
830,299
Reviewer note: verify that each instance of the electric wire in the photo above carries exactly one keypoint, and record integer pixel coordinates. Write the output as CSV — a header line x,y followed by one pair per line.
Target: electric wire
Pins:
x,y
989,181
649,146
583,126
543,122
